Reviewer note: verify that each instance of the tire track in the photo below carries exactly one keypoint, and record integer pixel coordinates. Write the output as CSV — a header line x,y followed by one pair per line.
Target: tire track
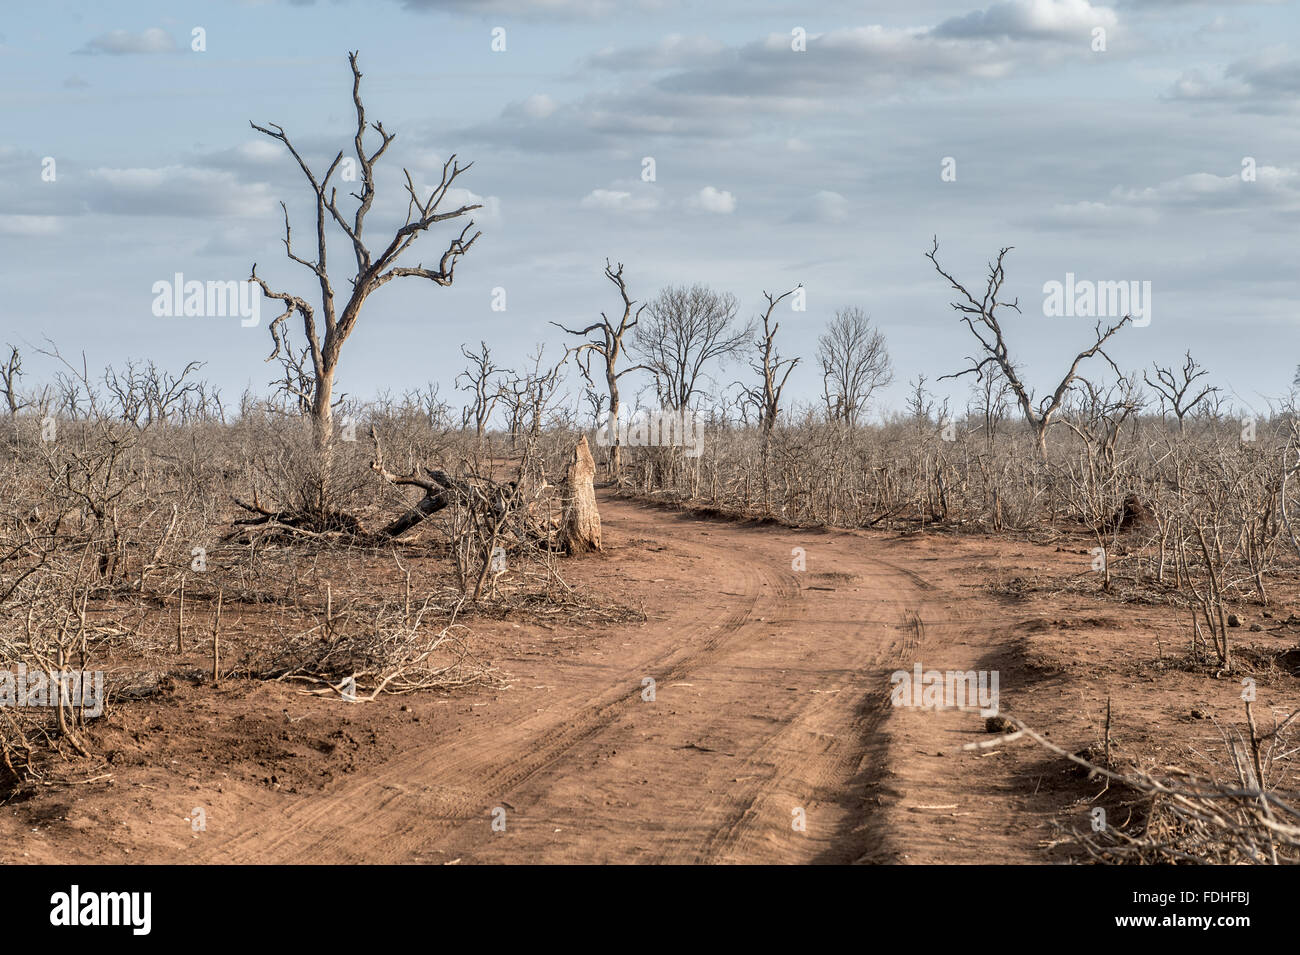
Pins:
x,y
771,696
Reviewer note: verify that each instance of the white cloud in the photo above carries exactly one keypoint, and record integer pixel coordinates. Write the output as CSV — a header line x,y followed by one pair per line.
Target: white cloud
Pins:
x,y
712,200
176,191
1274,188
539,8
1076,216
261,151
1030,19
457,197
1268,79
614,200
987,44
1273,185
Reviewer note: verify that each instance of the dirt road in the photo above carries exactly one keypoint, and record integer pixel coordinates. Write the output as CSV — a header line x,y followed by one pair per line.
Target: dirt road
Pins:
x,y
768,737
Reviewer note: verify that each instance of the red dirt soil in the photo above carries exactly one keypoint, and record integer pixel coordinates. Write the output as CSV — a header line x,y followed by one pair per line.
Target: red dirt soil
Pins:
x,y
771,704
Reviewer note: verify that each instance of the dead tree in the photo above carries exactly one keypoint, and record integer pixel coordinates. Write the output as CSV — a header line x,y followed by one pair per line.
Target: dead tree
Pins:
x,y
150,394
528,396
595,403
765,397
325,334
480,381
430,405
771,367
440,490
854,363
201,404
980,316
295,386
920,403
685,329
71,383
1173,388
1096,414
991,394
10,372
608,345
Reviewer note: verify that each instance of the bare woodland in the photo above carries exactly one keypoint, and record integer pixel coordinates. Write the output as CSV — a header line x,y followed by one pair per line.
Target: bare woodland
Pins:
x,y
156,522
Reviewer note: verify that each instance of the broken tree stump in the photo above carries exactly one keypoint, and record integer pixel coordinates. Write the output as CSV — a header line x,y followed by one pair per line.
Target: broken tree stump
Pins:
x,y
580,526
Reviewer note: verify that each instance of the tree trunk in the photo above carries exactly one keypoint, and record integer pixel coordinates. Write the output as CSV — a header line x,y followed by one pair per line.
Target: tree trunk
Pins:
x,y
580,529
1040,437
614,408
322,417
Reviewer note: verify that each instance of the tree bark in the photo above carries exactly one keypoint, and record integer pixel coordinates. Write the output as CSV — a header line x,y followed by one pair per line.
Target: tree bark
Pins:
x,y
580,529
615,406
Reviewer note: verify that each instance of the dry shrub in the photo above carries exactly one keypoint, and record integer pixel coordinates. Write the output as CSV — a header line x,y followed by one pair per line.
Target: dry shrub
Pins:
x,y
1238,817
390,651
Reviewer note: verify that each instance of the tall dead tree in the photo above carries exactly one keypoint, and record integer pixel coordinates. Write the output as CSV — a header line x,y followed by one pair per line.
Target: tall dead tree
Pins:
x,y
773,370
595,403
766,396
980,316
326,333
608,346
1173,387
920,403
854,362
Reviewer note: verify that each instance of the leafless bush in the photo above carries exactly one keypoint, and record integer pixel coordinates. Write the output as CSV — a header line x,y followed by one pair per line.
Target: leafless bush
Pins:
x,y
1242,816
389,650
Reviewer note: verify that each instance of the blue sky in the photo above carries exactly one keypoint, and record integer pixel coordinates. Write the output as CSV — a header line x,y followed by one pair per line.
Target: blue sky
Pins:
x,y
773,167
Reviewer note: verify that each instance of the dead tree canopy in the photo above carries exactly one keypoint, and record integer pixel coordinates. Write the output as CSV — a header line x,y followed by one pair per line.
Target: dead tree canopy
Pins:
x,y
685,329
980,315
1176,388
772,369
606,341
854,363
440,490
146,394
480,380
1096,413
529,395
10,372
326,330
